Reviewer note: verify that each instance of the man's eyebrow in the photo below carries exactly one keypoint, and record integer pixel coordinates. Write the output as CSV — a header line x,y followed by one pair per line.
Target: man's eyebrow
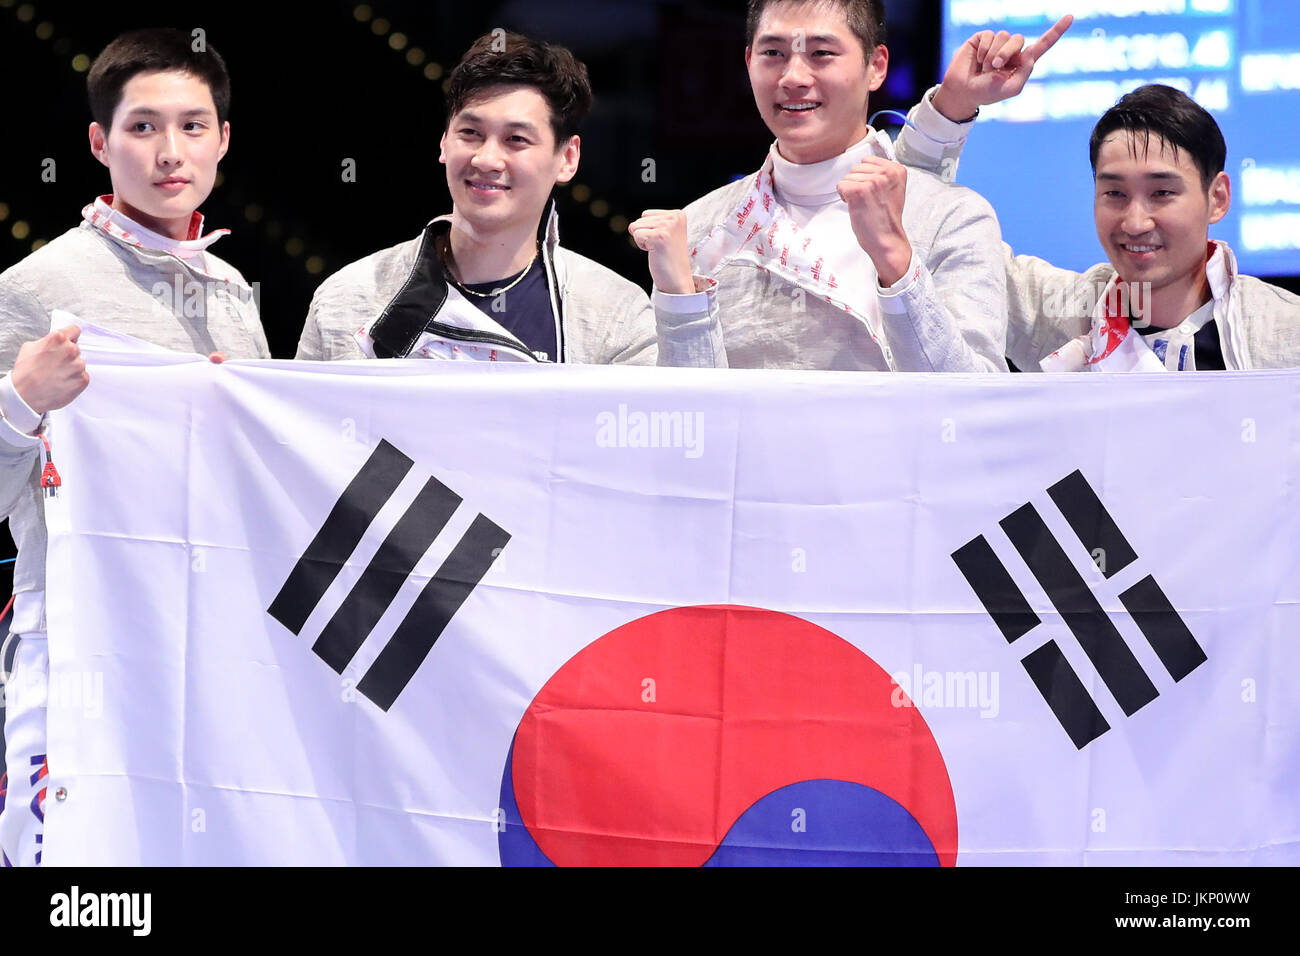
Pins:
x,y
469,117
150,111
781,38
1161,176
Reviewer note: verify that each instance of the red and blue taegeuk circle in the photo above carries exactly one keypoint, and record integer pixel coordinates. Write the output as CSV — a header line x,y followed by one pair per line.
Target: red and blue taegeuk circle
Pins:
x,y
724,736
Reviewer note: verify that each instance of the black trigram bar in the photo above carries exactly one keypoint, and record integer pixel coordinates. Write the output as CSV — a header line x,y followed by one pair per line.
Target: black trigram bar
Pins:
x,y
434,608
1065,694
361,610
1164,629
319,565
992,584
1092,523
1115,663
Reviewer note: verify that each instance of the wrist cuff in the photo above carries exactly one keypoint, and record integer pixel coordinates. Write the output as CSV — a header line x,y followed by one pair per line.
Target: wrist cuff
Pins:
x,y
20,416
693,303
889,294
937,131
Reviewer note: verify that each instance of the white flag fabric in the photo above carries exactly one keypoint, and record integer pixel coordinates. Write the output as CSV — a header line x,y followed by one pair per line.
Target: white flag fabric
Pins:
x,y
402,613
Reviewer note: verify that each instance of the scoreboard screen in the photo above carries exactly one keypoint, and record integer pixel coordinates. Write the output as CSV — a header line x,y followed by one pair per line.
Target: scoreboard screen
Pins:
x,y
1240,59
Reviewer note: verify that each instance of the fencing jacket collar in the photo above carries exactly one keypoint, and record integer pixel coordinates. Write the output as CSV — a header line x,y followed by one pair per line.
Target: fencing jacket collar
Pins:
x,y
429,318
1113,346
120,226
817,184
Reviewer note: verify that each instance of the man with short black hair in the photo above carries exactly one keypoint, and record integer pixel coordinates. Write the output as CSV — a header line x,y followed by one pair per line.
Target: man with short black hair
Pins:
x,y
833,255
491,281
138,263
1169,298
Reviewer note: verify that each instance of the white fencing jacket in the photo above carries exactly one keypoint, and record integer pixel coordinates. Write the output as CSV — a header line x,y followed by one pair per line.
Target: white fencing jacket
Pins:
x,y
396,303
781,308
104,272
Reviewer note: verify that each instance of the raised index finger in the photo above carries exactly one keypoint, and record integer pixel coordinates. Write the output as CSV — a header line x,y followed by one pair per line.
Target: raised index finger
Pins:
x,y
1048,39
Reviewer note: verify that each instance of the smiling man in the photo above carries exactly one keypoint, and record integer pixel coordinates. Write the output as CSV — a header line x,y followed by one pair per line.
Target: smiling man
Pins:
x,y
833,255
1169,298
138,263
490,281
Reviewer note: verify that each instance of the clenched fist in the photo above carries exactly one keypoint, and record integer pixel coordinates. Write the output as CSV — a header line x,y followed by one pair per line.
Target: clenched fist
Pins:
x,y
874,191
662,233
50,372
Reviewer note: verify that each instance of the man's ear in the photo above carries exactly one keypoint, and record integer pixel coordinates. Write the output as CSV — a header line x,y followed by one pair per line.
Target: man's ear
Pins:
x,y
1220,197
99,143
572,153
749,51
442,148
878,66
225,140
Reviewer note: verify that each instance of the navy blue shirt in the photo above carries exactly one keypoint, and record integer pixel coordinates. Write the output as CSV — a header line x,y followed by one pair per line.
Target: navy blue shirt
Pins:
x,y
525,309
1207,352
